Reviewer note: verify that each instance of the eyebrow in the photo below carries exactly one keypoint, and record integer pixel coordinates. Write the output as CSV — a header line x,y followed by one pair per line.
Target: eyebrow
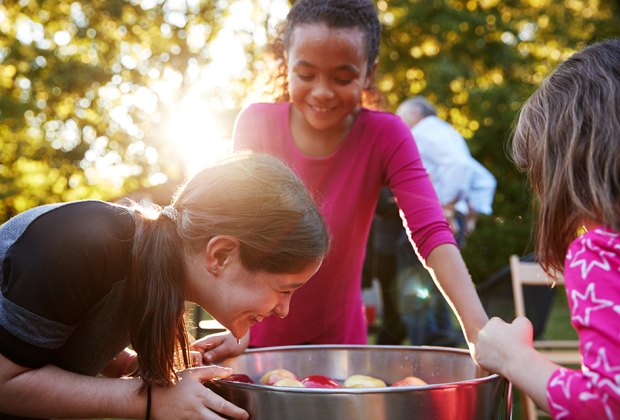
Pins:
x,y
347,67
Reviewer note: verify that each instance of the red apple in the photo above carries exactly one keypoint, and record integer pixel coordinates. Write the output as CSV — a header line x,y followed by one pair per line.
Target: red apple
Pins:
x,y
239,377
275,375
320,381
410,381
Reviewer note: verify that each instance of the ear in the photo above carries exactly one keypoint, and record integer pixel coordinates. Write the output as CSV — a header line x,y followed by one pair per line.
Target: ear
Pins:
x,y
219,252
370,77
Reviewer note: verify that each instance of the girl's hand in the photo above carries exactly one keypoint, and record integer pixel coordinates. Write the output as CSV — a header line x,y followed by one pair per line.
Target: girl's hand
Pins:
x,y
190,399
217,347
500,344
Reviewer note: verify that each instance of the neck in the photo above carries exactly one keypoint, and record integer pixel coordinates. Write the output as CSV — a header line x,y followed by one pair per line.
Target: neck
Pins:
x,y
315,142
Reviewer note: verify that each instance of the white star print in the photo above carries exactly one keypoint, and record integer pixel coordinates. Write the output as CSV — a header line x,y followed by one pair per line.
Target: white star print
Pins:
x,y
586,265
591,304
563,380
602,361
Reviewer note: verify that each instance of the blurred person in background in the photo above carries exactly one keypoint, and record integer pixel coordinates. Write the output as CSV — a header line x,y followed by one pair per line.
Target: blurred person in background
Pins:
x,y
465,189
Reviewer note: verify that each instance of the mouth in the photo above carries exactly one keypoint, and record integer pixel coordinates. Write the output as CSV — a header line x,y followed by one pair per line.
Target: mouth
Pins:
x,y
320,109
255,319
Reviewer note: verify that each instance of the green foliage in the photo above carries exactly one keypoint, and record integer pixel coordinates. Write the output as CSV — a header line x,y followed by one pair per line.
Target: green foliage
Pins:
x,y
478,61
67,69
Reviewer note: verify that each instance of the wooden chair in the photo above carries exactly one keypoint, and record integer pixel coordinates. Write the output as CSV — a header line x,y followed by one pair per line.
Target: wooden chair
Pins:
x,y
562,352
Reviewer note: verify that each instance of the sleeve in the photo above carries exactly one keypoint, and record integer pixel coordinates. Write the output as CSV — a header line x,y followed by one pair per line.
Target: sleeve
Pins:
x,y
592,274
481,188
249,128
406,176
61,266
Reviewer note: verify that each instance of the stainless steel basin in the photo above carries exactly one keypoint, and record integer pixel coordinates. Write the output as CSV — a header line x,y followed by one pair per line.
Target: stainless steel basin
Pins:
x,y
458,388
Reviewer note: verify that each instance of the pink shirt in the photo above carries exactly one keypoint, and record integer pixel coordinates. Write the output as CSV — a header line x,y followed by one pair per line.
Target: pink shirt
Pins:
x,y
592,274
379,150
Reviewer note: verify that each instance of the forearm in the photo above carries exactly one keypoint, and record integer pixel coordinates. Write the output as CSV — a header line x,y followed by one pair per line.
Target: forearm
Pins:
x,y
451,276
53,392
530,371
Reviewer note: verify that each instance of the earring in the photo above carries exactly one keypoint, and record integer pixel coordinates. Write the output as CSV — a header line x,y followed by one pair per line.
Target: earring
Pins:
x,y
213,270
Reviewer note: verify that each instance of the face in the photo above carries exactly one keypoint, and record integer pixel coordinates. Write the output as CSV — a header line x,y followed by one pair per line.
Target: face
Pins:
x,y
239,299
327,72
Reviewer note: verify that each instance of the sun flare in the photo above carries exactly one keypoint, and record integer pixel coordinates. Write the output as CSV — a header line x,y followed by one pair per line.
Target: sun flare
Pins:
x,y
197,135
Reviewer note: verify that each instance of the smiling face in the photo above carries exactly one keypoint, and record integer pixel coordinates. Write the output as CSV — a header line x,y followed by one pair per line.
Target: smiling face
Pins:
x,y
327,72
252,296
234,296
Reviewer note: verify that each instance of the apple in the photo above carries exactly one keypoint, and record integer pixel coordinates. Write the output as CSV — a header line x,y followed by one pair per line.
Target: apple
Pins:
x,y
320,381
239,377
275,375
363,381
410,381
289,382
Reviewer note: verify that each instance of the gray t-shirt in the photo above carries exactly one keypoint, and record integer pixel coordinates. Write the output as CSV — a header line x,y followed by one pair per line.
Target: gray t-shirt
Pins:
x,y
64,270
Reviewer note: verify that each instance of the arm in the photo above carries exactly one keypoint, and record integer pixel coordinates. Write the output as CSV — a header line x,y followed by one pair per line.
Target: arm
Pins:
x,y
59,393
449,272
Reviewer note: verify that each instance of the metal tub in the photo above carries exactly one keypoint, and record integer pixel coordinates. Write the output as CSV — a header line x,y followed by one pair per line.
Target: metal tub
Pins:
x,y
458,388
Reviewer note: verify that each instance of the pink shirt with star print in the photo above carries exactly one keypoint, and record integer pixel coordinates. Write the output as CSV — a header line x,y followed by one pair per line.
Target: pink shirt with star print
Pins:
x,y
592,275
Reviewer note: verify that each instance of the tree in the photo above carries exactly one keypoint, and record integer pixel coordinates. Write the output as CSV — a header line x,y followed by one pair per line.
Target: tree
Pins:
x,y
81,94
478,61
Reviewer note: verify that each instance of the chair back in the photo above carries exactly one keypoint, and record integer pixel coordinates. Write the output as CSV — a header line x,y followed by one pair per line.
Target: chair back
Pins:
x,y
528,273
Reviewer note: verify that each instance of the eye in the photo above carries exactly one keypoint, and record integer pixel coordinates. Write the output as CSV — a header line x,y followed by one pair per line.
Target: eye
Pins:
x,y
287,292
305,77
343,81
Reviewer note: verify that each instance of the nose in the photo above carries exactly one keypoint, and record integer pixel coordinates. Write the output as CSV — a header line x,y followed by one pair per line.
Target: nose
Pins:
x,y
282,308
322,89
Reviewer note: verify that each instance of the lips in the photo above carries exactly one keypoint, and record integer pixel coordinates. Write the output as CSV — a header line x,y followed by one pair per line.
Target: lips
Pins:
x,y
255,319
321,109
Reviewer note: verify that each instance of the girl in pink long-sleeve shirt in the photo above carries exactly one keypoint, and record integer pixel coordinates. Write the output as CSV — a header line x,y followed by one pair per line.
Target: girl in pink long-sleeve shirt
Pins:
x,y
568,140
345,153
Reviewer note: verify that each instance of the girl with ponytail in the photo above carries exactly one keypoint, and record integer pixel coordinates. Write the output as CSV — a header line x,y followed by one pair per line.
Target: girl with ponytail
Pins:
x,y
81,282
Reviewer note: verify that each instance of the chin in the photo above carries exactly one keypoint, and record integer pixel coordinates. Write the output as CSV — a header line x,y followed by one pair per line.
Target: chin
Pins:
x,y
238,331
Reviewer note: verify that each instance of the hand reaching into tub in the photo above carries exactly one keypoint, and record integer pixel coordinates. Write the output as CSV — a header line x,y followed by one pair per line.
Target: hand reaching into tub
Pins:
x,y
190,399
219,346
506,349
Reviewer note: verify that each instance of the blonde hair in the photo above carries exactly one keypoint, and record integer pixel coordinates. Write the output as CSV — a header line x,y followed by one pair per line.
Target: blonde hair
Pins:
x,y
254,198
568,141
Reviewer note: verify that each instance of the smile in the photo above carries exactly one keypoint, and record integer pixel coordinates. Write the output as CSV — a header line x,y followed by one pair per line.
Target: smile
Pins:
x,y
320,108
255,319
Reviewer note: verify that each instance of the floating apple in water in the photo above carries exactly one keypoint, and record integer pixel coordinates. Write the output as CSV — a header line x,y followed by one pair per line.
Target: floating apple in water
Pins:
x,y
239,377
275,375
363,381
289,382
410,381
320,381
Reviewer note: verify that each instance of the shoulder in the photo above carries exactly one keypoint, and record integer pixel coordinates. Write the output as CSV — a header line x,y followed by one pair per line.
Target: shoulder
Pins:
x,y
596,251
82,225
260,110
383,122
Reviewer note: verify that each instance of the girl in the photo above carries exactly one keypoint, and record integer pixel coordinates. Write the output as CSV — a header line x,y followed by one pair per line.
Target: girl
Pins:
x,y
80,281
345,153
568,141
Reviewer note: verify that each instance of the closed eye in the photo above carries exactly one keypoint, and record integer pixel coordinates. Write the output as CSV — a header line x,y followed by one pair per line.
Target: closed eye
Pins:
x,y
305,77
